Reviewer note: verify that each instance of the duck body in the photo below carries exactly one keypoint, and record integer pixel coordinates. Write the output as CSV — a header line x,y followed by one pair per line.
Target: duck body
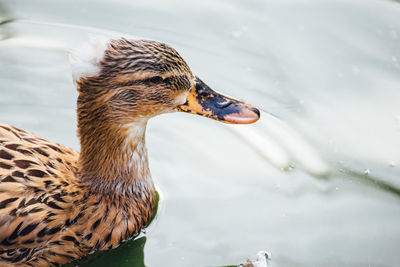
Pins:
x,y
47,215
57,205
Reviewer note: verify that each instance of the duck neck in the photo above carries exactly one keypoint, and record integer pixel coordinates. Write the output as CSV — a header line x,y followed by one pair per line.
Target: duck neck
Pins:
x,y
113,159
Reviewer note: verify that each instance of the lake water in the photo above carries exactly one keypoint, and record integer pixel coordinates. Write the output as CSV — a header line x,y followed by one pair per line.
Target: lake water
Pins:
x,y
318,184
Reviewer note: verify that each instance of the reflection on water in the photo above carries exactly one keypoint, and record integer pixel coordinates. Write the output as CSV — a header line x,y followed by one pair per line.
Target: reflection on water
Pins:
x,y
317,187
128,254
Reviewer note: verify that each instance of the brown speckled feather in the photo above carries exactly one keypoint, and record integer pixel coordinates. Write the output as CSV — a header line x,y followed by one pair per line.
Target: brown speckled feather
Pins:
x,y
46,216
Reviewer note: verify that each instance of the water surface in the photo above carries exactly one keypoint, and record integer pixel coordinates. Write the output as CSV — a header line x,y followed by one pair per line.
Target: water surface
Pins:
x,y
324,192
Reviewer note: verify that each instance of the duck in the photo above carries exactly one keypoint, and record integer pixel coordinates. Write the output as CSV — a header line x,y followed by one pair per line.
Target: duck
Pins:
x,y
58,205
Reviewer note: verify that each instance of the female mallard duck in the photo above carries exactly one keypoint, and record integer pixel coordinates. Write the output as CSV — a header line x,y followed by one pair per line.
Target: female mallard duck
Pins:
x,y
57,205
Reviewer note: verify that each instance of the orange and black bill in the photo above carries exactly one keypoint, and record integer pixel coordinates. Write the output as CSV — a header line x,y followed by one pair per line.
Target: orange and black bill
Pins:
x,y
204,101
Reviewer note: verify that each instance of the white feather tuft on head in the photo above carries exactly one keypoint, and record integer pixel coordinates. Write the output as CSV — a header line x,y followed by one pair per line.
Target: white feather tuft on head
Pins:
x,y
85,61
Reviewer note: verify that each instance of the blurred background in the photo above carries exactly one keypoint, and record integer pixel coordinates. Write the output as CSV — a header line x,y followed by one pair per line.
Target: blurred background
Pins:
x,y
315,184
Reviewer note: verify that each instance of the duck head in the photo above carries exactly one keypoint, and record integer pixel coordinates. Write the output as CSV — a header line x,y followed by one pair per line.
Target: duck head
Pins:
x,y
122,84
141,79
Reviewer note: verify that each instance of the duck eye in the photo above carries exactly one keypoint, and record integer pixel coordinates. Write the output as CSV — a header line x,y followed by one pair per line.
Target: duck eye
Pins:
x,y
155,79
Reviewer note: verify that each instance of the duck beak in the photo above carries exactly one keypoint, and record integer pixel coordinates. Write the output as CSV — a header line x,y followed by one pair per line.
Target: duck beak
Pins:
x,y
204,101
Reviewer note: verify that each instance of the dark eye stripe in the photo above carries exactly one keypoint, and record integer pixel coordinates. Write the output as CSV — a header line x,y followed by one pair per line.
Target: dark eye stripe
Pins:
x,y
154,79
175,82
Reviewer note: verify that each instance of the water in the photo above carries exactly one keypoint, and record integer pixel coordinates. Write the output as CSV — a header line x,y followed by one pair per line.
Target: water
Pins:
x,y
318,187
